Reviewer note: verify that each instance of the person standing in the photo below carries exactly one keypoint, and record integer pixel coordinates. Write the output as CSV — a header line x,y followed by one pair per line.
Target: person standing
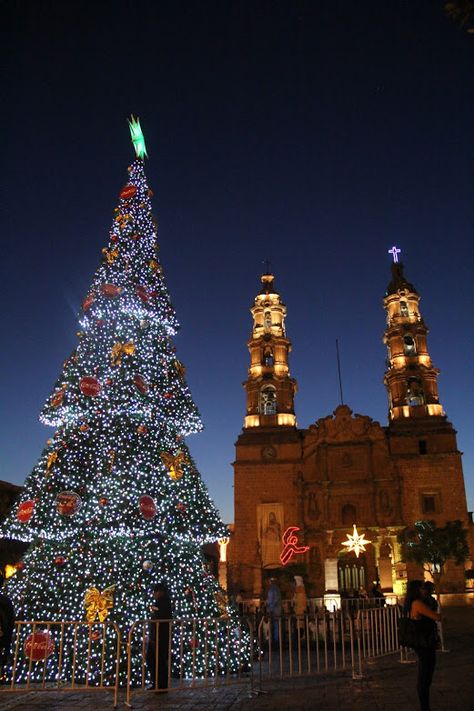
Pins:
x,y
300,602
159,637
274,608
7,625
417,609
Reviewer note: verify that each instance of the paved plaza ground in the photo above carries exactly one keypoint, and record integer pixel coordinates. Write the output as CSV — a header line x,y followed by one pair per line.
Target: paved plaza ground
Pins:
x,y
386,685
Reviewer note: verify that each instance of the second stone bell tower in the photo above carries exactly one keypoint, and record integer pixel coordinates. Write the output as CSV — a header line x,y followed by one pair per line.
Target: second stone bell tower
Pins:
x,y
270,389
410,379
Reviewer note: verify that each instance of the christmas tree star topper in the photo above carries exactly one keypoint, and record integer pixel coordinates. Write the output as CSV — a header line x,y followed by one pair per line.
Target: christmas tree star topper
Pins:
x,y
356,542
138,139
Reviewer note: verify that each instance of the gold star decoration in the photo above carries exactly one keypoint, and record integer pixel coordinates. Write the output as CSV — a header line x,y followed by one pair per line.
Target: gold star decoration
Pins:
x,y
356,542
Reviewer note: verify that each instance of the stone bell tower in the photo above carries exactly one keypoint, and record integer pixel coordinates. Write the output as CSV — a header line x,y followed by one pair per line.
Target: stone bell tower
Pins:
x,y
269,387
410,379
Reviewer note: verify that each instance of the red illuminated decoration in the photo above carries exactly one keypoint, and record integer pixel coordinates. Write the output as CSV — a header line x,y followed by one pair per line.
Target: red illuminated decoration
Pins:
x,y
290,543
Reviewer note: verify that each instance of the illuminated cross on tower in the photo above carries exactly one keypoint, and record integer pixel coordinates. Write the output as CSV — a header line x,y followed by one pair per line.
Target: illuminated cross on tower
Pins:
x,y
394,252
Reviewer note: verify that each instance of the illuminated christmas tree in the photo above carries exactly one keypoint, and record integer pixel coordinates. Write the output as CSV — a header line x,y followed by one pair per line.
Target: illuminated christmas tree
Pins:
x,y
115,502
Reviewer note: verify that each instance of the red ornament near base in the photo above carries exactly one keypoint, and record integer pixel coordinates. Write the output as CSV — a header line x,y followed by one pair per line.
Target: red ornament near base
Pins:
x,y
147,507
140,384
25,511
60,560
89,386
128,192
38,646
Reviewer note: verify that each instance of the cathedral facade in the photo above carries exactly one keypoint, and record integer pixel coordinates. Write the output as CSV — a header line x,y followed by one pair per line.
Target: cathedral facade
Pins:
x,y
304,498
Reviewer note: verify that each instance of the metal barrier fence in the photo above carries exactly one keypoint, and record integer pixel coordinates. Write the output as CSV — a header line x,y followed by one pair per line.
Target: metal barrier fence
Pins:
x,y
178,655
66,656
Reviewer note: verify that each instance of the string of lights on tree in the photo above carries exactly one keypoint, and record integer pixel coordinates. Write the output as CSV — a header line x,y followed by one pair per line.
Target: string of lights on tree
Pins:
x,y
115,502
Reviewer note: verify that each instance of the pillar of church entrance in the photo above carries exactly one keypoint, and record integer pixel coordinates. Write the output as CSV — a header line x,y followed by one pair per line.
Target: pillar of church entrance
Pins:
x,y
385,574
222,568
257,581
332,598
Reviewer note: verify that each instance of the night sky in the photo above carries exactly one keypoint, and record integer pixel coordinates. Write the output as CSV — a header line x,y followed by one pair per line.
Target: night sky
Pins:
x,y
316,134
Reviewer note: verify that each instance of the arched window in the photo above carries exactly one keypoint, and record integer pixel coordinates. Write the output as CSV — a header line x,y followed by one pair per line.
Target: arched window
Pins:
x,y
267,322
415,394
348,515
403,308
268,400
268,356
409,345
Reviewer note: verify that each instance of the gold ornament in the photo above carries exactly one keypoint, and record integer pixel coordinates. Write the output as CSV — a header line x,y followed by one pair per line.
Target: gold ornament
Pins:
x,y
98,604
180,368
174,462
155,266
121,349
356,542
51,460
110,255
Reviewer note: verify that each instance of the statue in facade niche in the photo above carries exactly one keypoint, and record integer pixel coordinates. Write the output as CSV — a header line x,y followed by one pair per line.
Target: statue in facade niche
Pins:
x,y
271,542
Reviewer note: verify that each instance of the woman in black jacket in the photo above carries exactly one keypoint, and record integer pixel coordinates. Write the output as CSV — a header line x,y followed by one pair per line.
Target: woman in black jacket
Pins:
x,y
427,618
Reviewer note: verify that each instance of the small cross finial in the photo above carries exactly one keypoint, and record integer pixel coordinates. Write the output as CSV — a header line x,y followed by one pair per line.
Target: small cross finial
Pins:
x,y
267,265
394,252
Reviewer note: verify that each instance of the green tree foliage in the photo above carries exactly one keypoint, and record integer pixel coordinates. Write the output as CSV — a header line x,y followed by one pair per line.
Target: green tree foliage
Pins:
x,y
431,546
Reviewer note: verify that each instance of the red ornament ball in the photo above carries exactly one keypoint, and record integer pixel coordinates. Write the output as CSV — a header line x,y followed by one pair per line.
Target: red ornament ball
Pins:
x,y
88,301
68,503
89,386
147,507
38,646
60,560
110,290
140,384
142,293
128,192
103,501
25,511
95,635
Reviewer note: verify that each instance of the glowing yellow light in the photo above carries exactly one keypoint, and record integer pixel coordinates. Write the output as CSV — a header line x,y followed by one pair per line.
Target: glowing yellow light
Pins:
x,y
356,542
286,419
252,421
223,542
9,570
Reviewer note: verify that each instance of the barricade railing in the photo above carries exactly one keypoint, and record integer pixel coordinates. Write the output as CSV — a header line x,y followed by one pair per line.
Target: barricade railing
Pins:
x,y
65,656
195,653
294,645
377,631
182,654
